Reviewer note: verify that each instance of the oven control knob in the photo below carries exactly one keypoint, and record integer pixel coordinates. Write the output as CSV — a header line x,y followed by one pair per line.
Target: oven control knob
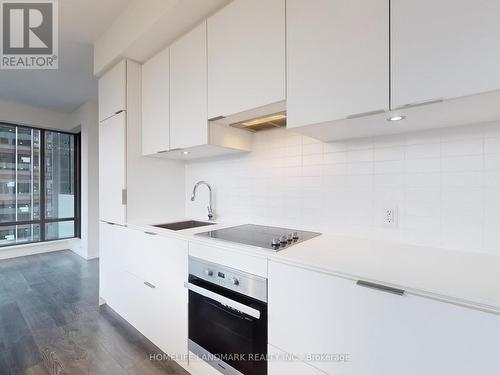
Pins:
x,y
234,281
284,239
290,238
276,242
209,272
295,236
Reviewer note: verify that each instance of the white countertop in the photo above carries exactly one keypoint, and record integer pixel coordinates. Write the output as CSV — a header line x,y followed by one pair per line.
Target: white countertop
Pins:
x,y
470,279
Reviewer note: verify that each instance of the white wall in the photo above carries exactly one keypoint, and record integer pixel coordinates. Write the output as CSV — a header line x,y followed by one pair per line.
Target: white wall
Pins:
x,y
33,116
86,117
145,27
445,183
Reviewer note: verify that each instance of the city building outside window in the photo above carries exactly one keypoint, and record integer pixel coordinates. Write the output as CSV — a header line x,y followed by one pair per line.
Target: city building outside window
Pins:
x,y
39,185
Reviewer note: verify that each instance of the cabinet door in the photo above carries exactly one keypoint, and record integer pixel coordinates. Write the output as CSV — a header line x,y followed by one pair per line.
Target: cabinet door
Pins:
x,y
188,94
156,103
281,363
111,239
112,167
381,333
112,91
161,266
443,49
246,56
337,59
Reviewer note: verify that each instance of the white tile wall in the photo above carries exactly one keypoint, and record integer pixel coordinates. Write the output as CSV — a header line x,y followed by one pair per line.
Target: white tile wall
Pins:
x,y
444,183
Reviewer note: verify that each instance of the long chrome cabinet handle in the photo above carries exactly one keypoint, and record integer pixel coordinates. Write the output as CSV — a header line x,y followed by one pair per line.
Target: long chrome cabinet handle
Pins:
x,y
124,197
382,288
149,285
365,114
224,300
151,233
419,104
216,118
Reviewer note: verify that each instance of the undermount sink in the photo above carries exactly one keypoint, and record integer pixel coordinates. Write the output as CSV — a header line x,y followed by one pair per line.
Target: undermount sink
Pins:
x,y
180,225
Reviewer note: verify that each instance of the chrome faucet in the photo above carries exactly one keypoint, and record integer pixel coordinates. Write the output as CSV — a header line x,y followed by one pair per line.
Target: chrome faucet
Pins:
x,y
210,207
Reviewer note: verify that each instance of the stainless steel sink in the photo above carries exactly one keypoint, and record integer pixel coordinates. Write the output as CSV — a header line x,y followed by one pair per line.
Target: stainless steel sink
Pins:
x,y
180,225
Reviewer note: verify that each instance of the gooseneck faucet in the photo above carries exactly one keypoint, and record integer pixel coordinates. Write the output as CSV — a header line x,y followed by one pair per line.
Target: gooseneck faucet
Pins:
x,y
210,207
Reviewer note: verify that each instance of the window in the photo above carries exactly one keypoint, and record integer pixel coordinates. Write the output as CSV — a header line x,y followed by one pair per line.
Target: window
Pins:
x,y
39,185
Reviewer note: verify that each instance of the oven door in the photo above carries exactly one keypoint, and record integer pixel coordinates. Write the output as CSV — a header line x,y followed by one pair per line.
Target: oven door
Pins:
x,y
226,329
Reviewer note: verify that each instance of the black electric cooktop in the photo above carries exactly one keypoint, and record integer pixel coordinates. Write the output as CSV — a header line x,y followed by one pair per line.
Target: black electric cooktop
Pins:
x,y
272,238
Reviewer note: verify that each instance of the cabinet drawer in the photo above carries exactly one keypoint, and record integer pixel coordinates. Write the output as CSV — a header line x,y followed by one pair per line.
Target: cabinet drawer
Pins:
x,y
281,363
159,260
381,333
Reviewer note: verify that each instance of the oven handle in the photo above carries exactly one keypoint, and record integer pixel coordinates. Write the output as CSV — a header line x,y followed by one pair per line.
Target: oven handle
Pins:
x,y
224,300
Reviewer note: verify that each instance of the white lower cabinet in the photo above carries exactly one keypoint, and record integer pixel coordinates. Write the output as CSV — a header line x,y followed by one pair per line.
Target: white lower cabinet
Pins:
x,y
281,363
313,315
110,261
146,285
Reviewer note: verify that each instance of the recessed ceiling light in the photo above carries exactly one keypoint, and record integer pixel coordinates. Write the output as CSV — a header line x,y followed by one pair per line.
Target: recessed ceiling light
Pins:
x,y
396,118
185,152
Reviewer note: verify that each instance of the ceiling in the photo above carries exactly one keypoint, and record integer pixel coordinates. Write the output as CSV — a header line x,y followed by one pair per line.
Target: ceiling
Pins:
x,y
81,22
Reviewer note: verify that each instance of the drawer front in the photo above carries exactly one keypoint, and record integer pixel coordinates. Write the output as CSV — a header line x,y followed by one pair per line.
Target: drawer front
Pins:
x,y
256,265
380,333
281,363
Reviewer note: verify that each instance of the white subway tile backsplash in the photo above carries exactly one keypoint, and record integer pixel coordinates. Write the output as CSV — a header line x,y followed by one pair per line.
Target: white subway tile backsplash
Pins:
x,y
423,166
385,167
389,153
463,147
462,179
492,145
445,183
492,162
355,156
462,163
420,151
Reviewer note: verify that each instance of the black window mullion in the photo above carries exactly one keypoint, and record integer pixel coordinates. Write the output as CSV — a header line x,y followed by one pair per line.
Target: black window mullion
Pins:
x,y
42,185
77,182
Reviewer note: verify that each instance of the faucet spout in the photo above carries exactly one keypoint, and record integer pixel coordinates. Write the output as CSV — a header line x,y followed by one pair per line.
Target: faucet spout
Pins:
x,y
210,201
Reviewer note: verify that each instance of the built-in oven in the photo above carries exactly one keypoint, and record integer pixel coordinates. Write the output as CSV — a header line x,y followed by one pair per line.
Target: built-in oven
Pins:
x,y
228,318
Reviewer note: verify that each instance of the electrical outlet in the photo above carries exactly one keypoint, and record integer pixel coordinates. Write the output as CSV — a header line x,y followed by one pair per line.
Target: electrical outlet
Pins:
x,y
390,217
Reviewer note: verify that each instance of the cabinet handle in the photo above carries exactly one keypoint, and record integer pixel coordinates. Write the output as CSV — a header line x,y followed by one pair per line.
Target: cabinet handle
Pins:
x,y
149,285
124,197
365,114
119,111
382,288
162,152
419,104
151,233
216,118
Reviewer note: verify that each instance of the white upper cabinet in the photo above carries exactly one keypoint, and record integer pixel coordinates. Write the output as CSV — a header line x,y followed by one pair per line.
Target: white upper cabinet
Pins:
x,y
443,49
337,59
112,91
246,56
188,94
155,104
112,169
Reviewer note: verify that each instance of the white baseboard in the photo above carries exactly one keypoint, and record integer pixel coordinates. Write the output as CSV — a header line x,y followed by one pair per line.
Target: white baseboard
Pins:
x,y
39,248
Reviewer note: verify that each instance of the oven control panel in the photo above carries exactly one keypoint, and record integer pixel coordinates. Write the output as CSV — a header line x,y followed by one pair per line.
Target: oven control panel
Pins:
x,y
229,278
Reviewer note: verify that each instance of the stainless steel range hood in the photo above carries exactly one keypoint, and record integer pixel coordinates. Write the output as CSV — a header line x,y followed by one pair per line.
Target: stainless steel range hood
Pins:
x,y
277,120
268,117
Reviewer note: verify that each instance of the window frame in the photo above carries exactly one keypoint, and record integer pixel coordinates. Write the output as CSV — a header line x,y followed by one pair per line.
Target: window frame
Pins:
x,y
42,221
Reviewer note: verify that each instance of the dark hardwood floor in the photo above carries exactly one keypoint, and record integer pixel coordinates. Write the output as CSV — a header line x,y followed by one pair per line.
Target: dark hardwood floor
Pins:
x,y
50,322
